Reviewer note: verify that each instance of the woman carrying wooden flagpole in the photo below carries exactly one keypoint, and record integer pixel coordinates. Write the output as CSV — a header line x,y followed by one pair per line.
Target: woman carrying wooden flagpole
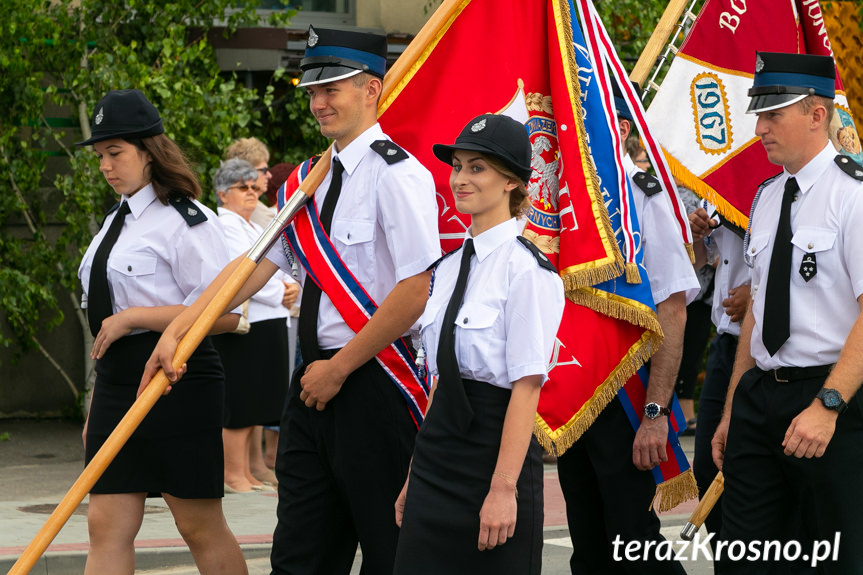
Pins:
x,y
221,292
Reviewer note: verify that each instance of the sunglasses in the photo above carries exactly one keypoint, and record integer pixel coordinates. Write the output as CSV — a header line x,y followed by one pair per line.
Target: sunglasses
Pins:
x,y
244,188
263,171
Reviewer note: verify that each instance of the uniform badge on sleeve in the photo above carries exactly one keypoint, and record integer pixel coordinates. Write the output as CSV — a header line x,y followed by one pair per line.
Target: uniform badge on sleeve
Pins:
x,y
808,267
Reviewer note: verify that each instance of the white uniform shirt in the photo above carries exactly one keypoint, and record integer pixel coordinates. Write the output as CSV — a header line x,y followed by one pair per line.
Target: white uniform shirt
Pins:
x,y
508,320
664,254
158,259
731,271
384,227
240,235
825,220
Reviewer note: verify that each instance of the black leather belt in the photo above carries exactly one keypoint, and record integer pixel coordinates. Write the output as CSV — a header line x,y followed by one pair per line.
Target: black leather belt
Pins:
x,y
329,353
786,374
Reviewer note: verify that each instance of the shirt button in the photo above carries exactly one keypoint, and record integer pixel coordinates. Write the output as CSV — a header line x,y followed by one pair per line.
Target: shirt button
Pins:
x,y
725,262
464,321
752,250
811,246
129,268
349,236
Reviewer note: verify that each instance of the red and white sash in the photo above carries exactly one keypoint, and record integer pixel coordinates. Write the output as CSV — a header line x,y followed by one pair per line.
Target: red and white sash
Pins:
x,y
311,244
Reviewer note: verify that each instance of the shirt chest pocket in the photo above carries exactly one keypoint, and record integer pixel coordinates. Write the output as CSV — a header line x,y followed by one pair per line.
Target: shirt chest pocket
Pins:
x,y
355,241
476,332
815,258
758,256
133,273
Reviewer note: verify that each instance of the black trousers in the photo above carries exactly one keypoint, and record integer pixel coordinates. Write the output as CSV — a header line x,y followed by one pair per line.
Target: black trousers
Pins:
x,y
607,496
695,337
771,496
720,362
340,471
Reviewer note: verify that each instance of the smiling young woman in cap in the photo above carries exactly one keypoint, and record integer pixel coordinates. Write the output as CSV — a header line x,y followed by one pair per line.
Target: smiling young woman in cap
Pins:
x,y
157,251
473,500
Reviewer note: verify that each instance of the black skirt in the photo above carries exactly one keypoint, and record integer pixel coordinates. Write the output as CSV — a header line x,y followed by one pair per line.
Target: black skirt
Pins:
x,y
449,481
177,449
257,372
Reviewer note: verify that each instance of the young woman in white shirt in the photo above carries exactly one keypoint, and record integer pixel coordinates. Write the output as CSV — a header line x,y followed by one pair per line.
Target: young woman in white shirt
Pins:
x,y
473,499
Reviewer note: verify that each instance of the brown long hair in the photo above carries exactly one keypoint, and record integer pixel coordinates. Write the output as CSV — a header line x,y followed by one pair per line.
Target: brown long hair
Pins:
x,y
169,170
518,198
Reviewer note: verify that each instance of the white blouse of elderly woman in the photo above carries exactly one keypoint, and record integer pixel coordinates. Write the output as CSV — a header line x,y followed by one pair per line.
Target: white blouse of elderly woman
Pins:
x,y
241,195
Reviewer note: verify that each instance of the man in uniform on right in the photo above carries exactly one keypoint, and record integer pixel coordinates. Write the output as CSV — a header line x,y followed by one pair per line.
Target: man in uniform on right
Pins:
x,y
790,442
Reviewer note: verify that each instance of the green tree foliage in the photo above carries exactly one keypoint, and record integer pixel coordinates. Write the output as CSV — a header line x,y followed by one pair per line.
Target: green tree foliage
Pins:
x,y
57,59
630,24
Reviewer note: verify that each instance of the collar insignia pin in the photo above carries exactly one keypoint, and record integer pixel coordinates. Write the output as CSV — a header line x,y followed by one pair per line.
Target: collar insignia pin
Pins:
x,y
478,127
100,116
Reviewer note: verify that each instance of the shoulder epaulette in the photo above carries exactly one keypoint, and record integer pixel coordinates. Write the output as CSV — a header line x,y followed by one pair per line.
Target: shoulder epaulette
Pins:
x,y
442,258
189,211
389,151
648,184
850,167
113,209
541,258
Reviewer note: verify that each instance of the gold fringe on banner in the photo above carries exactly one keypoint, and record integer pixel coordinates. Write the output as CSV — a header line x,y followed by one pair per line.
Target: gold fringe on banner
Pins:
x,y
694,183
588,275
613,305
612,265
675,491
633,276
558,441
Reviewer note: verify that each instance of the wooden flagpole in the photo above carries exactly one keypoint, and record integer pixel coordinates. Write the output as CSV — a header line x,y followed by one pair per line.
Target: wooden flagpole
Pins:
x,y
202,325
704,507
664,29
144,403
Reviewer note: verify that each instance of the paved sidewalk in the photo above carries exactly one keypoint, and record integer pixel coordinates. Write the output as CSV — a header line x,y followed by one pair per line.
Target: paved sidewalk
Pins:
x,y
41,460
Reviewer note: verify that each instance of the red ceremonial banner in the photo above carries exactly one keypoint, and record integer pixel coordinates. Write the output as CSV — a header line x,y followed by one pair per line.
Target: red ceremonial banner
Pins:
x,y
449,84
698,113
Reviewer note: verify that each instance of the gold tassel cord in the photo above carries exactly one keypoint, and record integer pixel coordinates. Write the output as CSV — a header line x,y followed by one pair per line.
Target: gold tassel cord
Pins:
x,y
675,491
633,276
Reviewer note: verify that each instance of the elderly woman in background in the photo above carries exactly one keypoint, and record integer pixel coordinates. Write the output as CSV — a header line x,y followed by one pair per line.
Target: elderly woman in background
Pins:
x,y
256,153
256,364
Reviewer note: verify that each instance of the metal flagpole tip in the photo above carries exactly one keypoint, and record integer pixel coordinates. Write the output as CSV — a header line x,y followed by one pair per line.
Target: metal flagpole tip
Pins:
x,y
688,532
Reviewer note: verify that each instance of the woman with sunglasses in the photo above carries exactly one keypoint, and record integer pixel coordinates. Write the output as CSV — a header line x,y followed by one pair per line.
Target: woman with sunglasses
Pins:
x,y
257,370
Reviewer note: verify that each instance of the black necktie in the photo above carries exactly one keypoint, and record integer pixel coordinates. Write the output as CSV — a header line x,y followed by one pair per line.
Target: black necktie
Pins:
x,y
311,301
454,394
99,304
775,330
